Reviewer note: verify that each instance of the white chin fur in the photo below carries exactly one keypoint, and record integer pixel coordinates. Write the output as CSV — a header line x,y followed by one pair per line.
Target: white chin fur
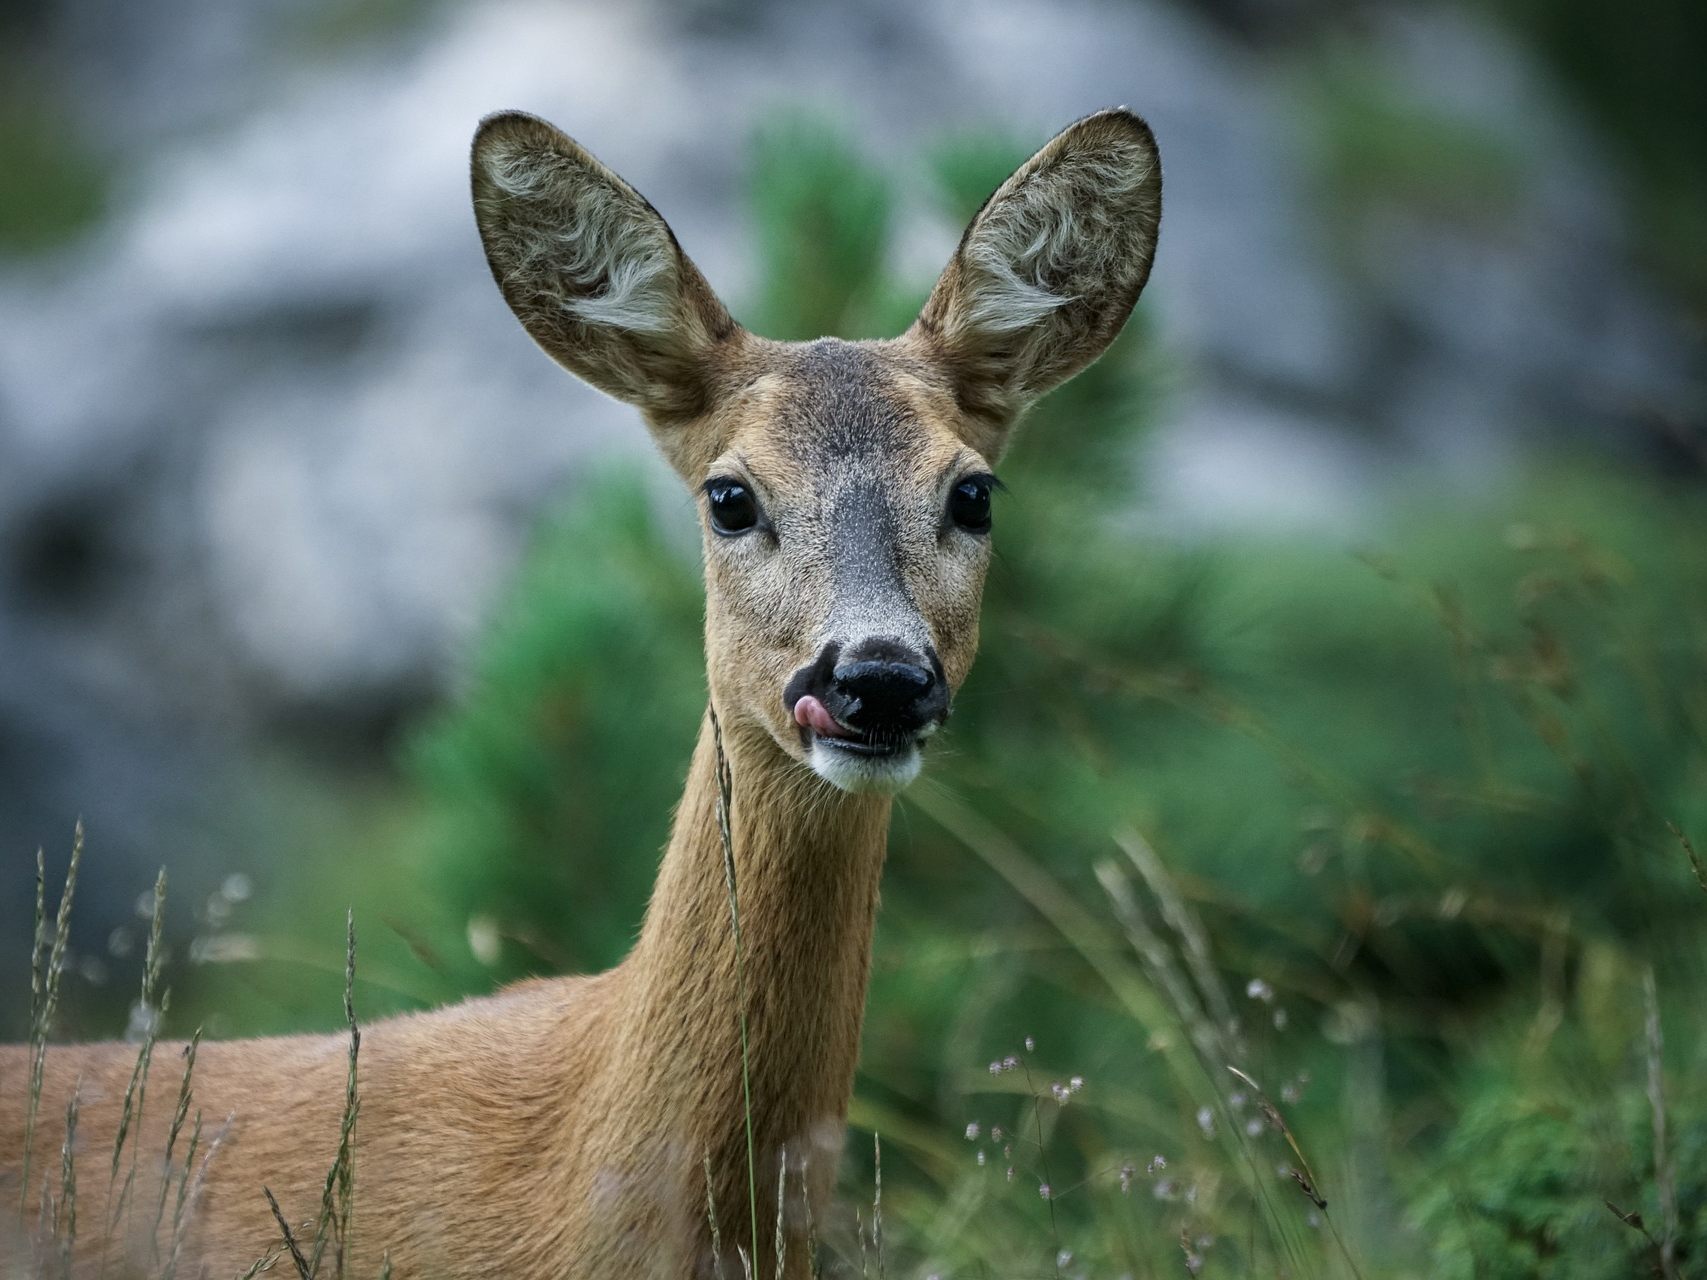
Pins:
x,y
851,772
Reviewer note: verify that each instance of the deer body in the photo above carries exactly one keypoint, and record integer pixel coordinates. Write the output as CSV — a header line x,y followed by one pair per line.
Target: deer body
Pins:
x,y
570,1127
475,1154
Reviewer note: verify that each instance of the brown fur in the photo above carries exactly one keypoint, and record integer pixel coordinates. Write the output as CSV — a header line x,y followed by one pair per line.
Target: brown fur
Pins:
x,y
562,1126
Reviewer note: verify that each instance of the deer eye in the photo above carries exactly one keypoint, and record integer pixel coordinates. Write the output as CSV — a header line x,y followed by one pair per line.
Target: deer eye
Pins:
x,y
733,509
969,503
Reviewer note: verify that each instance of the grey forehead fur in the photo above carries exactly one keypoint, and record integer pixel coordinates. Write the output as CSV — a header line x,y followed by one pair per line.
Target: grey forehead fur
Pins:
x,y
841,404
847,424
865,557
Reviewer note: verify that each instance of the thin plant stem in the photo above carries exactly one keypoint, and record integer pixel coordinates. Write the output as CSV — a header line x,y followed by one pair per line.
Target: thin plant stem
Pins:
x,y
1689,852
877,1206
1665,1177
338,1194
179,1114
189,1192
781,1197
68,1185
303,1270
812,1263
46,967
1043,1161
136,1092
725,792
1304,1176
711,1216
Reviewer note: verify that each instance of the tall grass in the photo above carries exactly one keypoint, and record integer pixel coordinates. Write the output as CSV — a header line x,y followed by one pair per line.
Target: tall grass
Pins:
x,y
58,1245
47,968
322,1255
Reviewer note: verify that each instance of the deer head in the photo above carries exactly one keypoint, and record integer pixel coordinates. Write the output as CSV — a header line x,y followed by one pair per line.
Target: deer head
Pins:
x,y
844,487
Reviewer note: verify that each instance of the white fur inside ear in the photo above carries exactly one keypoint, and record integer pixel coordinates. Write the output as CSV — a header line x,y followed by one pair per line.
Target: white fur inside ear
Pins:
x,y
1062,233
1006,300
588,246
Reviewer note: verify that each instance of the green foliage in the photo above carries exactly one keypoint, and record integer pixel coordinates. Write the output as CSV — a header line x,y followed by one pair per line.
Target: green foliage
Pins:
x,y
54,188
332,26
549,790
1376,149
968,169
1531,1179
821,217
1639,81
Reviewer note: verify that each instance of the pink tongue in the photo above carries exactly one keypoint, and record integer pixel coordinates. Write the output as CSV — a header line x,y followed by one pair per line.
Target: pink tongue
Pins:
x,y
811,713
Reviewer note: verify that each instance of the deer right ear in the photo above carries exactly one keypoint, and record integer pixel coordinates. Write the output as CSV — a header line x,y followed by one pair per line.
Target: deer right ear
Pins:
x,y
592,271
1047,272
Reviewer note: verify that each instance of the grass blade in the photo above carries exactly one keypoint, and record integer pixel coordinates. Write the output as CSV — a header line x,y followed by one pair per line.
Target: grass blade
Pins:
x,y
136,1092
179,1114
725,789
68,1185
303,1270
781,1198
337,1198
877,1207
711,1214
44,991
1665,1176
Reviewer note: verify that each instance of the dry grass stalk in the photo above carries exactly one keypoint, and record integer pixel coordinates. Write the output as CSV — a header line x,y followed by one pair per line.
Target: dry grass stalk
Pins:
x,y
65,1224
136,1091
1689,852
781,1199
814,1266
303,1270
180,1113
877,1207
188,1191
1186,926
47,965
725,791
1634,1220
1303,1175
337,1199
711,1216
1043,1158
1665,1176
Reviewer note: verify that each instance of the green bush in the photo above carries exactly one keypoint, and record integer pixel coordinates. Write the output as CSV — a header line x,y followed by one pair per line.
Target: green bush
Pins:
x,y
1533,1176
549,789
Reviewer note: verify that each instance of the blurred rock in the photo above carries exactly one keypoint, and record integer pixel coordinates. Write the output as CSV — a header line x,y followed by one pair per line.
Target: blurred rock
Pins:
x,y
269,441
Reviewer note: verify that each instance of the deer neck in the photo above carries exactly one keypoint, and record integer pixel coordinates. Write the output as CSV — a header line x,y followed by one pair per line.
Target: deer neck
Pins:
x,y
807,861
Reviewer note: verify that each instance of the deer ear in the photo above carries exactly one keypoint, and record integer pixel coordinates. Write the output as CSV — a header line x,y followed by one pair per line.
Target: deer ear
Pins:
x,y
592,271
1049,269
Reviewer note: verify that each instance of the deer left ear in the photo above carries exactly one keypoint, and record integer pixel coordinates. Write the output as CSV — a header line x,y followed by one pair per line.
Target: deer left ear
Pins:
x,y
592,271
1048,271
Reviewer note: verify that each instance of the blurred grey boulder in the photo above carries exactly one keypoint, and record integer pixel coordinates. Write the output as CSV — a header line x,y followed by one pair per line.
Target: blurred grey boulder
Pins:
x,y
269,442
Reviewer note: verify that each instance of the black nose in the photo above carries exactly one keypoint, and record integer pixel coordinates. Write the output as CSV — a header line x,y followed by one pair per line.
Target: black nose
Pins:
x,y
883,689
882,694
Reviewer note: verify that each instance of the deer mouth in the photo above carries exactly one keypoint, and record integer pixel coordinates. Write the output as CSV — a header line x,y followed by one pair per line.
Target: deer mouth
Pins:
x,y
868,748
852,759
814,717
817,724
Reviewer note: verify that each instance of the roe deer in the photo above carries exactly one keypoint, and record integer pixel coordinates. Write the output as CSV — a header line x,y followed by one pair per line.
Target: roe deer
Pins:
x,y
570,1126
